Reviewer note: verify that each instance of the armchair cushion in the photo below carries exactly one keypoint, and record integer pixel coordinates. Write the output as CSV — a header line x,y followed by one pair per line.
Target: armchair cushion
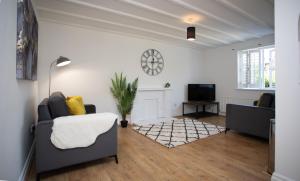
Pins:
x,y
265,100
273,104
57,105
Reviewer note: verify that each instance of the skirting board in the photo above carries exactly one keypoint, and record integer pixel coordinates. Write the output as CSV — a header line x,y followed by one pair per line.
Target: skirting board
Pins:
x,y
279,177
27,163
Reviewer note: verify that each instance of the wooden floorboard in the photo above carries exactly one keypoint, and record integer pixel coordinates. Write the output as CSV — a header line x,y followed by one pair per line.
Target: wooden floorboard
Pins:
x,y
230,156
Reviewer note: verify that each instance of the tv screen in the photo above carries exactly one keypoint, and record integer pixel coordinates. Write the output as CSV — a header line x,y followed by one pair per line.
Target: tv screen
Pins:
x,y
201,92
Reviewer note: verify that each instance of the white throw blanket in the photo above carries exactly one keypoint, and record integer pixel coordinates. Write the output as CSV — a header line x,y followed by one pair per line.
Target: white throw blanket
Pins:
x,y
80,130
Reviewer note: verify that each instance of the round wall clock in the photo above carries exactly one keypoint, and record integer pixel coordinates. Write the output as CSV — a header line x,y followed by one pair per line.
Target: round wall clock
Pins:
x,y
152,62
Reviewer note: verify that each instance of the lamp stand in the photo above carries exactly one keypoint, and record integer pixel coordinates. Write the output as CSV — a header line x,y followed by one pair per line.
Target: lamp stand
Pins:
x,y
61,61
49,91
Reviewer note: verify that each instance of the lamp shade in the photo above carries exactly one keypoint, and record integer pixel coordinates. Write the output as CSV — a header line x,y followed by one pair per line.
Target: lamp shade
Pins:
x,y
191,33
62,61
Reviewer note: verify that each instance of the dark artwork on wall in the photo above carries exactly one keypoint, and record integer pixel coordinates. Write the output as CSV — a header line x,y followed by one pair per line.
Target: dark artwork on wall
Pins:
x,y
27,41
299,44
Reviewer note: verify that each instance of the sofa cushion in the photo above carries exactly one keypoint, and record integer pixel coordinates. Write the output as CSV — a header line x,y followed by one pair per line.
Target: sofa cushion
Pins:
x,y
273,103
57,105
90,108
75,105
265,100
43,111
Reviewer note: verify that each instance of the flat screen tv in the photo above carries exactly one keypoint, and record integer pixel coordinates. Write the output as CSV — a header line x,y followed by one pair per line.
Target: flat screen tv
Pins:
x,y
201,92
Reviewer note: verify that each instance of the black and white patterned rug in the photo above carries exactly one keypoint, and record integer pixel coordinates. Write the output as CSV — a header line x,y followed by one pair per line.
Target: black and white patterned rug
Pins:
x,y
177,132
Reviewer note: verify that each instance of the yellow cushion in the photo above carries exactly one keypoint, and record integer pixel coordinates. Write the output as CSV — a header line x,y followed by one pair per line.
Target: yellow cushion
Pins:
x,y
75,105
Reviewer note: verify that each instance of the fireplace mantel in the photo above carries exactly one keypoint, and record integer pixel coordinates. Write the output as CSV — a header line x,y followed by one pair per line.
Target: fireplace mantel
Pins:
x,y
151,105
154,89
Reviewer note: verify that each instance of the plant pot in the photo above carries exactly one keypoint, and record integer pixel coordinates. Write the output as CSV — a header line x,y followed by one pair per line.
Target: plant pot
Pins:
x,y
124,123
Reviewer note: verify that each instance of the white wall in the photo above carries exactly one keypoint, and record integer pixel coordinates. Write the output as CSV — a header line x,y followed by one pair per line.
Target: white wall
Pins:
x,y
287,145
221,68
97,55
16,101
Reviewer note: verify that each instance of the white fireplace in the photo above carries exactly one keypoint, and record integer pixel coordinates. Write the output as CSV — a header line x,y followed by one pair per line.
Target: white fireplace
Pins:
x,y
151,105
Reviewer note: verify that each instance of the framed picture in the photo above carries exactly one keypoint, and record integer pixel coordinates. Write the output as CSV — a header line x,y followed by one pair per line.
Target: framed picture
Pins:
x,y
299,46
27,41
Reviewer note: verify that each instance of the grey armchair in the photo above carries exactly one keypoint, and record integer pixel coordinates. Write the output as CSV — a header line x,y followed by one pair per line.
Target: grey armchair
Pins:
x,y
253,120
48,157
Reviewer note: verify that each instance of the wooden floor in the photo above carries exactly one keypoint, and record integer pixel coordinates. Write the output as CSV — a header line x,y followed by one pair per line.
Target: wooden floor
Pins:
x,y
228,156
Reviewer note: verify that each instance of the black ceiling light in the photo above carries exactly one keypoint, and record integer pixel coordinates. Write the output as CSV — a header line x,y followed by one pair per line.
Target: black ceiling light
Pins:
x,y
191,33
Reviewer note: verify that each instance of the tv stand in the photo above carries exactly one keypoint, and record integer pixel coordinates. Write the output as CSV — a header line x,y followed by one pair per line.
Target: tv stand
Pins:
x,y
198,114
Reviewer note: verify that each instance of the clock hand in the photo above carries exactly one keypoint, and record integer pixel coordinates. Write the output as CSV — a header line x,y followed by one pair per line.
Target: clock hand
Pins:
x,y
152,63
152,60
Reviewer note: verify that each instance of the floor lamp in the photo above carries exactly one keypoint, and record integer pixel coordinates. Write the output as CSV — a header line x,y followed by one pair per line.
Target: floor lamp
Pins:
x,y
60,62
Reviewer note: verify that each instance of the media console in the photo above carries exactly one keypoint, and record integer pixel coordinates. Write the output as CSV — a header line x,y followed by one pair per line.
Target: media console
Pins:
x,y
198,114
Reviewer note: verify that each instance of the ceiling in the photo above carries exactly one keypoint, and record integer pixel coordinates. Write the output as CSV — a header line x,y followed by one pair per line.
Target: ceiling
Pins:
x,y
217,22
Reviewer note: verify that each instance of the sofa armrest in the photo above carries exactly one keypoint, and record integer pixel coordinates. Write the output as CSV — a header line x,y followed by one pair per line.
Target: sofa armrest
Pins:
x,y
43,132
42,135
43,129
249,119
90,108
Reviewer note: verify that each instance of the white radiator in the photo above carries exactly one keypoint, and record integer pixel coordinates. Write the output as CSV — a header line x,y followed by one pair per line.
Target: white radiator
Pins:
x,y
233,100
229,100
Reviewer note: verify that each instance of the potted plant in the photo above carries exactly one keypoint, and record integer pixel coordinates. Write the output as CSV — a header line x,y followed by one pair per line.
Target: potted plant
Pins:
x,y
124,93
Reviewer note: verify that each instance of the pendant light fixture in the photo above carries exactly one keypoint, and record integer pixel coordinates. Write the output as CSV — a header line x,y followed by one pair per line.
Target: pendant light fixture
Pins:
x,y
191,33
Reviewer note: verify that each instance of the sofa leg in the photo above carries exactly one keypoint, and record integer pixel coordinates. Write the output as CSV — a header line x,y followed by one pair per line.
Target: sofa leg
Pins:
x,y
38,176
227,129
116,158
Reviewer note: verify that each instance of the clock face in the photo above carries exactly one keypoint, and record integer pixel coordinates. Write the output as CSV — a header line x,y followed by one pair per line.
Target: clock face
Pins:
x,y
152,62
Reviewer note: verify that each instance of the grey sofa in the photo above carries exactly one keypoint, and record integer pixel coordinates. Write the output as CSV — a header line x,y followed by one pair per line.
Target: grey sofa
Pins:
x,y
48,157
253,120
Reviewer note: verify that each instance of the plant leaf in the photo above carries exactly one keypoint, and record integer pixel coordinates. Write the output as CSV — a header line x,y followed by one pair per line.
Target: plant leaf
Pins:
x,y
124,93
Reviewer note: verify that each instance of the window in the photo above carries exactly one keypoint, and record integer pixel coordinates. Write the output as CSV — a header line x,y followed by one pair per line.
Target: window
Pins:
x,y
256,68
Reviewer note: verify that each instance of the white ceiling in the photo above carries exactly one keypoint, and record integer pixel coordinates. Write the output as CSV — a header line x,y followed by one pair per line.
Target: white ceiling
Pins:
x,y
220,21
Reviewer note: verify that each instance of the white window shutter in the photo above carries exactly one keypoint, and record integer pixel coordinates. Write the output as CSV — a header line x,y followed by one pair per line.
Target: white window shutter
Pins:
x,y
256,68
